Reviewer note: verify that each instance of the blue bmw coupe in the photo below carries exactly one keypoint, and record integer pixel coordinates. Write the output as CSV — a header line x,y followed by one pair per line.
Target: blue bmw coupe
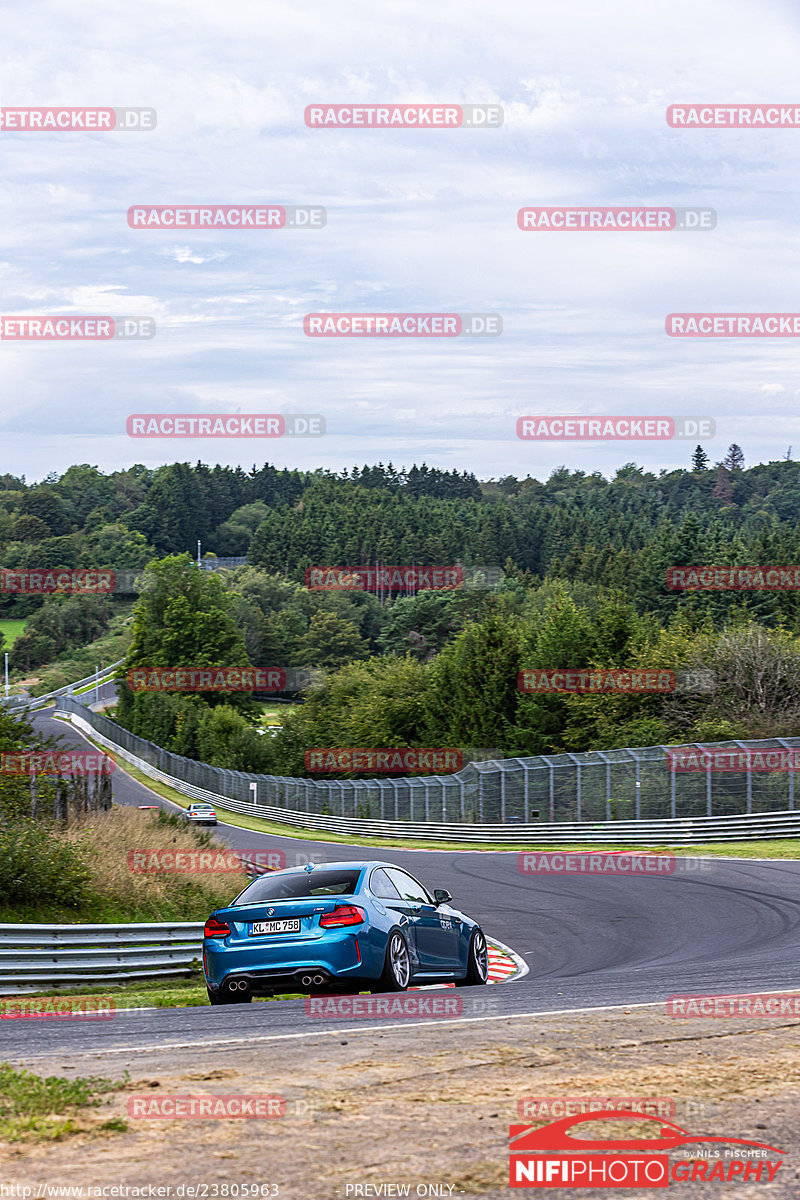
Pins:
x,y
350,926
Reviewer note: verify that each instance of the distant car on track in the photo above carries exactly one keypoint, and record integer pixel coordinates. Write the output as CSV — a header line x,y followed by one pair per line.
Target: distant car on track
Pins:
x,y
201,814
350,926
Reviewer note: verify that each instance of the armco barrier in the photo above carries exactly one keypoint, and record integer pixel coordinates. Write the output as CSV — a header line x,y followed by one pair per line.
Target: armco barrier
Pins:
x,y
427,807
34,958
43,958
16,703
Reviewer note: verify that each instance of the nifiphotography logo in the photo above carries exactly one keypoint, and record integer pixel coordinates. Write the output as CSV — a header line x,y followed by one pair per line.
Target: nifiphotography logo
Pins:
x,y
553,1156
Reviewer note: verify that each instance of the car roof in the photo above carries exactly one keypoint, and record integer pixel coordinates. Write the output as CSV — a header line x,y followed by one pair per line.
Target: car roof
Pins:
x,y
351,865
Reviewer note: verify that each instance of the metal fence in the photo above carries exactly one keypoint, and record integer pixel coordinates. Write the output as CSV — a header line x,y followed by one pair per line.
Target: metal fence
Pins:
x,y
222,564
630,785
34,958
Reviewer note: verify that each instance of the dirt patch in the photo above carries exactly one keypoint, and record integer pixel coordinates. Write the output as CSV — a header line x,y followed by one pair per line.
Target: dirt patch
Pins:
x,y
428,1105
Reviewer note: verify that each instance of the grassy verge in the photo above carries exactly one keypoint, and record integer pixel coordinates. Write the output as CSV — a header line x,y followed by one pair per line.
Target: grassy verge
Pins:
x,y
111,646
11,630
37,1108
89,687
171,993
111,885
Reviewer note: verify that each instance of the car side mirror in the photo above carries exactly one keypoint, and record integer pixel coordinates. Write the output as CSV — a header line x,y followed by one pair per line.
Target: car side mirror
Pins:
x,y
441,896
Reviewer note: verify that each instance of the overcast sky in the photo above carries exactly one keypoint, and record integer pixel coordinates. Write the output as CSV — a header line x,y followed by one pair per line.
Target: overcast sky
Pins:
x,y
418,221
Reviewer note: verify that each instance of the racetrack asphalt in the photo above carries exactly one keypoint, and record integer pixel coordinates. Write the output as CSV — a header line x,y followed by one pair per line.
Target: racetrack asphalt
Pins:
x,y
718,926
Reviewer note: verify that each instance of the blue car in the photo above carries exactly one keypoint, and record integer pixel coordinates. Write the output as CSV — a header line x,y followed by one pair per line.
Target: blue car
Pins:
x,y
338,927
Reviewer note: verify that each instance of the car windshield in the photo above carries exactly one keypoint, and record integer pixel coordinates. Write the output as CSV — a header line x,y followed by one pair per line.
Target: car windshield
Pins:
x,y
302,883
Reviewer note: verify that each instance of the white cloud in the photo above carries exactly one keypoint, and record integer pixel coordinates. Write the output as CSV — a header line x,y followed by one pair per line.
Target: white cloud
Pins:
x,y
417,221
183,254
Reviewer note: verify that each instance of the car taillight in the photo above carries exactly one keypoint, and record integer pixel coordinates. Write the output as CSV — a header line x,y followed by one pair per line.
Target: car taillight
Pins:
x,y
215,928
343,914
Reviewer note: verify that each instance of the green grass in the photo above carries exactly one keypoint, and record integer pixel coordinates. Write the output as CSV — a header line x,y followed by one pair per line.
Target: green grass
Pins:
x,y
11,630
271,713
156,993
144,993
37,1108
776,848
89,687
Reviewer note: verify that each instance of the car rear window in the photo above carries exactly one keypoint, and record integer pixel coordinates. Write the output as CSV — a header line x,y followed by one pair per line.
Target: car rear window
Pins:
x,y
303,883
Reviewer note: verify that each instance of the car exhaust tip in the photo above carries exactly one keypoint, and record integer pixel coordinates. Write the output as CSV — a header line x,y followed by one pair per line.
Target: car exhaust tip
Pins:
x,y
237,985
306,980
319,980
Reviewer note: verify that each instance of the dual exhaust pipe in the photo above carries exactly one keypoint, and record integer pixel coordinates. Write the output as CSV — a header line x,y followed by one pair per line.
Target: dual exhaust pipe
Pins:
x,y
240,985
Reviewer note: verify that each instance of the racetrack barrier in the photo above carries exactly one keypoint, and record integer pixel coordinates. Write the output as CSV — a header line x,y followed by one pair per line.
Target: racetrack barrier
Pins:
x,y
34,958
618,797
17,703
39,958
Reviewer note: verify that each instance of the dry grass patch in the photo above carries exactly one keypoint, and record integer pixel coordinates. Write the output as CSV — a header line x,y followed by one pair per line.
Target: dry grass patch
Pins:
x,y
117,892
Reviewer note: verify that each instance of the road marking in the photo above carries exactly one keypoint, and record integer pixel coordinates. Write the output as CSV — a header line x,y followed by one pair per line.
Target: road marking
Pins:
x,y
288,1037
98,1051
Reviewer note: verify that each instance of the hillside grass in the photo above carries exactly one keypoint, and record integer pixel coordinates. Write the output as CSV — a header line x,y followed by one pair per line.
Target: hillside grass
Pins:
x,y
113,891
76,664
11,630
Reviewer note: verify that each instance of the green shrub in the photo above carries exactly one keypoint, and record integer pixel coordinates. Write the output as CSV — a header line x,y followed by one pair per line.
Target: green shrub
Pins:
x,y
35,866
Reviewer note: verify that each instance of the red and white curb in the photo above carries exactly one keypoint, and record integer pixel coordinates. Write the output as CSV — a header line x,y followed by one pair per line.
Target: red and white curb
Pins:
x,y
505,965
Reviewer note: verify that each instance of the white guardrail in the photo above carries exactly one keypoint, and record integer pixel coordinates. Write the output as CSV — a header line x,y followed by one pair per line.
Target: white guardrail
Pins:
x,y
15,702
680,831
34,958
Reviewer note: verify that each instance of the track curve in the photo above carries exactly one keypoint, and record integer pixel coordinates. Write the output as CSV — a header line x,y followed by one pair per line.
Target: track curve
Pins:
x,y
715,925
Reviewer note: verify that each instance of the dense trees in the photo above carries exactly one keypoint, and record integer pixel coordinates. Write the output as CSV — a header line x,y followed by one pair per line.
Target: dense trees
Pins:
x,y
573,526
379,691
183,618
63,623
585,561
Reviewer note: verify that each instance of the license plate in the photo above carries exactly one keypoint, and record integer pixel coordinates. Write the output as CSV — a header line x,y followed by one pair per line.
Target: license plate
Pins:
x,y
290,925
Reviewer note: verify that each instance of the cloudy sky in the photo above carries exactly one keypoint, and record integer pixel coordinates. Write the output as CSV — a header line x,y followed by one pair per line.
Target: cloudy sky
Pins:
x,y
418,221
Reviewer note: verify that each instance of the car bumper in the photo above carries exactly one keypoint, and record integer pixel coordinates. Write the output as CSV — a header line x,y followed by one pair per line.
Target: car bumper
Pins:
x,y
266,968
